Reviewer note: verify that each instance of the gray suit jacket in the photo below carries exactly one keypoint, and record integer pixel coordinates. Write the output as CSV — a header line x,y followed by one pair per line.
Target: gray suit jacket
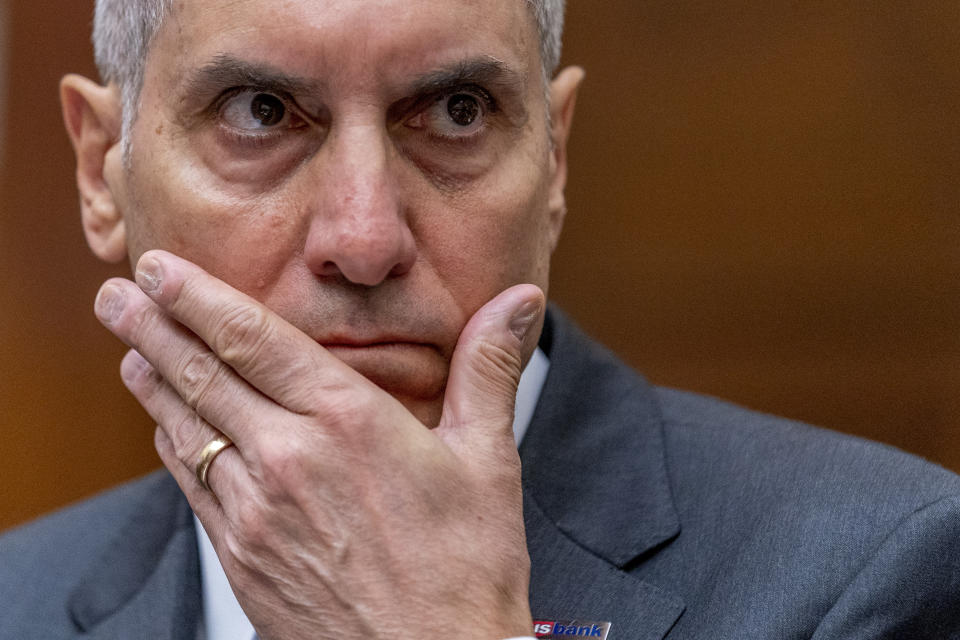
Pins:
x,y
668,514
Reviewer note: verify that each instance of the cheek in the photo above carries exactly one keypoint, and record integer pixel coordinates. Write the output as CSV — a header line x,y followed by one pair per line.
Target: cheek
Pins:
x,y
491,236
184,209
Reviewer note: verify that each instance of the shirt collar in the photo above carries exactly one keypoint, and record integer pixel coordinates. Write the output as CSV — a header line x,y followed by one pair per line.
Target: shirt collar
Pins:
x,y
225,620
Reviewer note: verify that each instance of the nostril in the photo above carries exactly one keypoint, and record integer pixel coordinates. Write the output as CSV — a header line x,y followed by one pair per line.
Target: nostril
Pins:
x,y
328,268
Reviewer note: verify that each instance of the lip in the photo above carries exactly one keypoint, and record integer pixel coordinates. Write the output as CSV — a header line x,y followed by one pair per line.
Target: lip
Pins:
x,y
377,343
403,368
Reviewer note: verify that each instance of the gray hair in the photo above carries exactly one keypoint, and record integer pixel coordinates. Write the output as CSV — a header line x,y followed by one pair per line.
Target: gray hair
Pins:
x,y
123,29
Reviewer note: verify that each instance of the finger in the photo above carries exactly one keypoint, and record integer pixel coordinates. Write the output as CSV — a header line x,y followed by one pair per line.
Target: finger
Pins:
x,y
184,435
205,383
485,369
208,505
271,354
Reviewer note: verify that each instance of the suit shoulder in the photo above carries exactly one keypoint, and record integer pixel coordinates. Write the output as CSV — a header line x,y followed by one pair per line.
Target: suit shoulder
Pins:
x,y
793,459
42,559
100,511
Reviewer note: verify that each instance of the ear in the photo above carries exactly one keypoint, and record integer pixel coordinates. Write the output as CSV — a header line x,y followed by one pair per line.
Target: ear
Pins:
x,y
563,99
92,115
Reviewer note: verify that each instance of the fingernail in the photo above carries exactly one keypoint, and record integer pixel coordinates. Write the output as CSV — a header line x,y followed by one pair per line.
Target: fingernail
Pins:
x,y
523,318
131,366
110,302
149,274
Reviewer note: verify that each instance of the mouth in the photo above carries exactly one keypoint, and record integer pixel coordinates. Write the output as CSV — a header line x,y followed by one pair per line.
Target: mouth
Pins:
x,y
401,367
379,345
370,344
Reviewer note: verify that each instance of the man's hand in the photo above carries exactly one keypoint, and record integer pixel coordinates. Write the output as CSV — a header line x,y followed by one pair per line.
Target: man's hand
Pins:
x,y
336,513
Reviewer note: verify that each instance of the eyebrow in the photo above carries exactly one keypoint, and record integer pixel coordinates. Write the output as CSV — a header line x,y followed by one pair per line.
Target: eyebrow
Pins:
x,y
225,71
486,70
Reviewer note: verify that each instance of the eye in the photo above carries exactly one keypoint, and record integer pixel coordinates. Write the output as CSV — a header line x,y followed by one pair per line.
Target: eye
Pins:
x,y
463,109
457,115
251,111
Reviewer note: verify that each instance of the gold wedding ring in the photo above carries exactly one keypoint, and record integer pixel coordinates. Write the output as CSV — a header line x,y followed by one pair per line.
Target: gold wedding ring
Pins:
x,y
210,451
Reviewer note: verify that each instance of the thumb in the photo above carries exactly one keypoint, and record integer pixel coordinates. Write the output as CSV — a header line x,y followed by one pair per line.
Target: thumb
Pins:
x,y
485,368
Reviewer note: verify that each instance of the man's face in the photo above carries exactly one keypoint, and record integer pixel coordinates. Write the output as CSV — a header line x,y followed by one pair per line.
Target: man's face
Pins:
x,y
372,170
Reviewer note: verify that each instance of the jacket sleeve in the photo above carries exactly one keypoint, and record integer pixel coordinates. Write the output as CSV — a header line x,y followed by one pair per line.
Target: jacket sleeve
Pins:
x,y
910,587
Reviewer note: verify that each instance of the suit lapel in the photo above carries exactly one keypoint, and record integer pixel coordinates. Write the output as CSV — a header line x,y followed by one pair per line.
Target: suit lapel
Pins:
x,y
146,583
567,582
596,492
596,500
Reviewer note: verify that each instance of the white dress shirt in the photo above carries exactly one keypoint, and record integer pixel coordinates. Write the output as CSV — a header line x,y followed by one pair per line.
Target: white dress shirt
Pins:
x,y
223,619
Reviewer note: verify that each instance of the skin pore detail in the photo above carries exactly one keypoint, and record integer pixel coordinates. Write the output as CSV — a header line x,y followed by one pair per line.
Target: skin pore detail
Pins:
x,y
420,122
352,201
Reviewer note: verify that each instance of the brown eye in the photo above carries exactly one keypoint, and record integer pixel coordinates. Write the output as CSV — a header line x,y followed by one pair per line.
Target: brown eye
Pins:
x,y
266,109
461,115
463,109
249,110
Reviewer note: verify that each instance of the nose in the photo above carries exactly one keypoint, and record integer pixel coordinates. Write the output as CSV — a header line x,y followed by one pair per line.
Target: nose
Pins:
x,y
358,229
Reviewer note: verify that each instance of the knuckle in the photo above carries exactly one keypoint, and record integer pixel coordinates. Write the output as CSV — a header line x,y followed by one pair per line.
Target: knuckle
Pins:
x,y
195,375
240,334
252,530
187,438
282,467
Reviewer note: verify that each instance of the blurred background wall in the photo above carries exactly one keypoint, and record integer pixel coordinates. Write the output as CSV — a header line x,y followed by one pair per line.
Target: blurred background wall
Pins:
x,y
3,67
763,206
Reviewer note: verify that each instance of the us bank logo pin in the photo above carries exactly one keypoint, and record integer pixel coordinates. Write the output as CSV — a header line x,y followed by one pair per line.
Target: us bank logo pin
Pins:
x,y
570,628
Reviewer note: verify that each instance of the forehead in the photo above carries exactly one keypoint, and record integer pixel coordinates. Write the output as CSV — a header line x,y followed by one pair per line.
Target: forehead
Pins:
x,y
347,41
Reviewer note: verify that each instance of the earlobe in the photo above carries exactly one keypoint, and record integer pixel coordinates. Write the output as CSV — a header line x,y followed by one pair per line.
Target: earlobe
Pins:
x,y
92,115
563,99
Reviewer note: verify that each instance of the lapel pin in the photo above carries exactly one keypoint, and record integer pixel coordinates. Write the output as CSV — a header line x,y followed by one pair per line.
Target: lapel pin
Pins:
x,y
570,629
